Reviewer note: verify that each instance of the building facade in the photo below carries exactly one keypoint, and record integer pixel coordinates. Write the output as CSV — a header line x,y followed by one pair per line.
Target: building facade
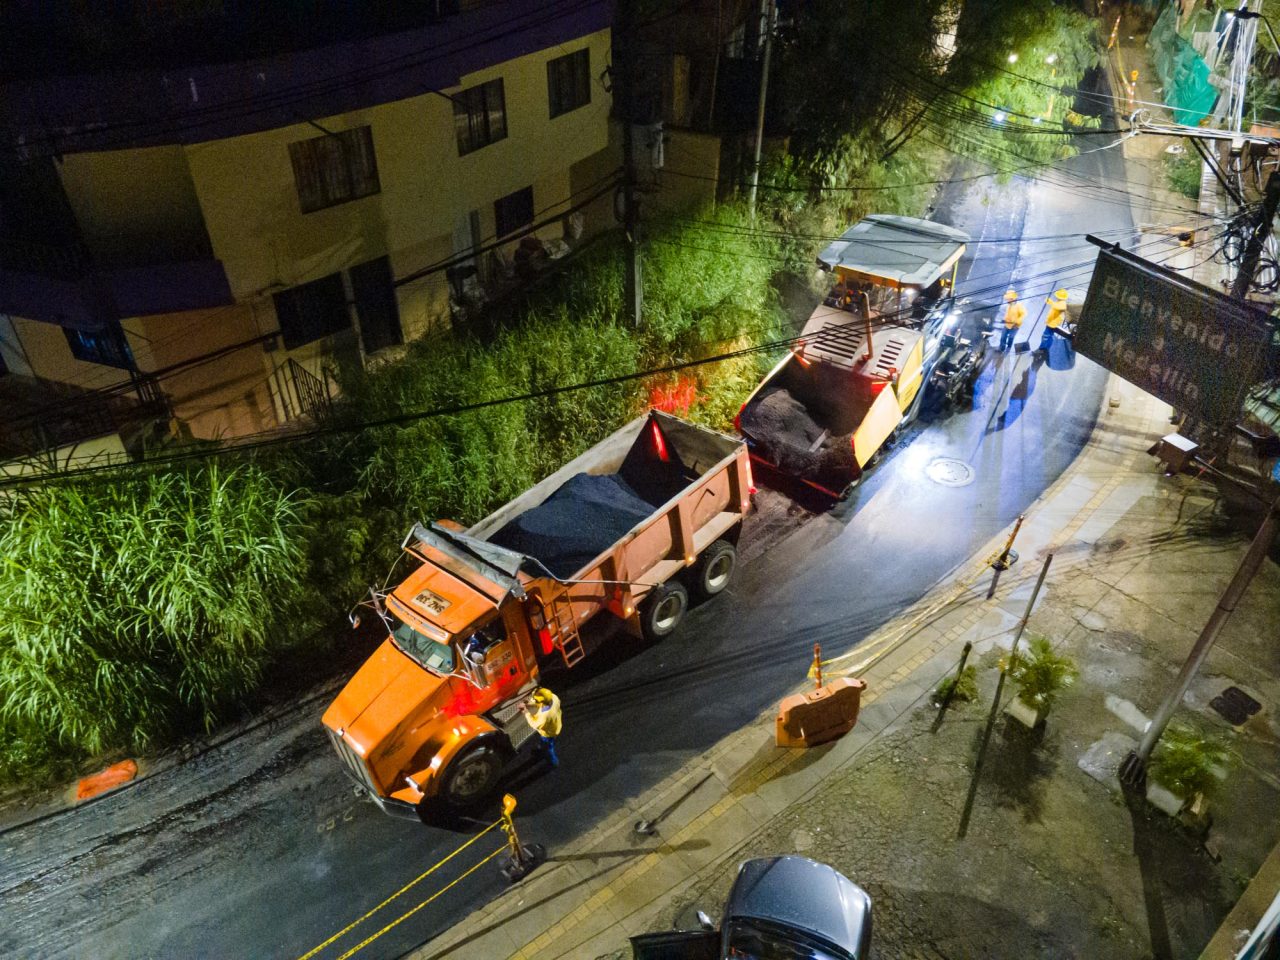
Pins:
x,y
207,239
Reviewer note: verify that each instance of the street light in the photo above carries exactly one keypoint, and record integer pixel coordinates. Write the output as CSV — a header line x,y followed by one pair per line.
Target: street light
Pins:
x,y
1013,58
1051,59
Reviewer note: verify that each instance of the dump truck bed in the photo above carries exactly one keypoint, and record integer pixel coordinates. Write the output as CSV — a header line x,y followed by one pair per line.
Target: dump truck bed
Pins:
x,y
635,508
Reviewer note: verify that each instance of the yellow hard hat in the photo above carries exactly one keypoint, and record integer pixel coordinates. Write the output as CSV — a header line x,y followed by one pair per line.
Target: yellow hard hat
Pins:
x,y
1061,295
1011,294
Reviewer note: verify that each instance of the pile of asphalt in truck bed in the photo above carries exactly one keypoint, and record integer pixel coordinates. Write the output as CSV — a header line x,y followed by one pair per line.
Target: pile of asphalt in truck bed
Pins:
x,y
797,438
577,523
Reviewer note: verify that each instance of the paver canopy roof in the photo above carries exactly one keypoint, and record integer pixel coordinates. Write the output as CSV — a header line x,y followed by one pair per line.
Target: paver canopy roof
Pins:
x,y
903,251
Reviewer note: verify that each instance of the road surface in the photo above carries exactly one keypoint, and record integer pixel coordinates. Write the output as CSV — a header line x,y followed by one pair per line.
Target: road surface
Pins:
x,y
260,849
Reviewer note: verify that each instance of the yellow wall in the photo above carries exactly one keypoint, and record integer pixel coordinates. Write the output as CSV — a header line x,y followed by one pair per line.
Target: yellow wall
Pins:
x,y
241,191
250,202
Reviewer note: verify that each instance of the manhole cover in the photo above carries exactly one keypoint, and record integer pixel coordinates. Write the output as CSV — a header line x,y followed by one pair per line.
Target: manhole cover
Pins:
x,y
950,473
1235,705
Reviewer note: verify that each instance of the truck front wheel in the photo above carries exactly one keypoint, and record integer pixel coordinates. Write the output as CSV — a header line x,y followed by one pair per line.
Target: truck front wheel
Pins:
x,y
714,569
663,610
472,776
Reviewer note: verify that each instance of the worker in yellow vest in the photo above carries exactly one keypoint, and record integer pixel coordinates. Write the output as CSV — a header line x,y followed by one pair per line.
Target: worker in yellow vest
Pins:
x,y
542,710
1057,313
1013,315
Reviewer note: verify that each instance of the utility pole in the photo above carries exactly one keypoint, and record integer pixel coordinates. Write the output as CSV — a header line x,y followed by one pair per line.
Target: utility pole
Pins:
x,y
1258,234
771,19
624,41
1134,768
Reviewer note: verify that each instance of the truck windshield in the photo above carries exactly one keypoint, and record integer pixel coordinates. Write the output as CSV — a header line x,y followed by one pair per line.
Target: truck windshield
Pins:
x,y
437,657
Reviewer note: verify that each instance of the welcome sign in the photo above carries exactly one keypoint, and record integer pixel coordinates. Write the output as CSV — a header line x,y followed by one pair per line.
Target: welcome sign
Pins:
x,y
1189,345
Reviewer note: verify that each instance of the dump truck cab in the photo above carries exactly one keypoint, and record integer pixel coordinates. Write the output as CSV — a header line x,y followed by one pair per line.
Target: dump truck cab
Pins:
x,y
435,709
867,355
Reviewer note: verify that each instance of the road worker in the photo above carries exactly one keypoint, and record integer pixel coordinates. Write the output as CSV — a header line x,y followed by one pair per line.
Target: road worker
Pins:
x,y
542,710
1057,314
1013,314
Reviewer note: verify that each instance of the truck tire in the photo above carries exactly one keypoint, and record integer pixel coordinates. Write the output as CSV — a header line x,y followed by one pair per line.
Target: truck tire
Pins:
x,y
663,610
714,569
472,776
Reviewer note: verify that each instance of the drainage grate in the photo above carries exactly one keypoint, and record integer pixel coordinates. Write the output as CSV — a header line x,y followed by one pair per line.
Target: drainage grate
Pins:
x,y
1235,705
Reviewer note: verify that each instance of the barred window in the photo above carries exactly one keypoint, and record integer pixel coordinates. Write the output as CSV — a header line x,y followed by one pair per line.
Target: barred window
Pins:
x,y
480,116
569,82
334,168
107,346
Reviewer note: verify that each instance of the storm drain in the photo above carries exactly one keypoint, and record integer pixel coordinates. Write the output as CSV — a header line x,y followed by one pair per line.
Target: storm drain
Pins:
x,y
949,472
1235,705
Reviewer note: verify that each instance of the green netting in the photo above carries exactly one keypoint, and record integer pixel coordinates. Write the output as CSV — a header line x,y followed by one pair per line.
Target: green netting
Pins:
x,y
1182,71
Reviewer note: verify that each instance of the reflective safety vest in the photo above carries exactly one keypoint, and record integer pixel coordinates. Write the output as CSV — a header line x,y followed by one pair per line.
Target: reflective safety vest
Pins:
x,y
1013,314
1057,313
545,719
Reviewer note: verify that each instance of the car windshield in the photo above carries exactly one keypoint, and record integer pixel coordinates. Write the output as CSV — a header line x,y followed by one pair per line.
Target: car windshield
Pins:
x,y
437,657
753,939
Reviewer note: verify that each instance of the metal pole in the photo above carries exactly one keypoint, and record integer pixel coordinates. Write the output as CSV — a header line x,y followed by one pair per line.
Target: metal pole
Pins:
x,y
624,39
1133,769
951,691
764,87
1257,238
995,703
1006,559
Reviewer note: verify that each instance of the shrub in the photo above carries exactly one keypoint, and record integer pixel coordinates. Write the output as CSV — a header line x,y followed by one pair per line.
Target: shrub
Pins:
x,y
130,607
1183,173
1186,761
963,688
1041,673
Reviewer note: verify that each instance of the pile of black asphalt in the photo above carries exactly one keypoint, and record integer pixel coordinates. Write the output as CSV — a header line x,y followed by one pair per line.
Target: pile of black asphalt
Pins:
x,y
577,523
797,437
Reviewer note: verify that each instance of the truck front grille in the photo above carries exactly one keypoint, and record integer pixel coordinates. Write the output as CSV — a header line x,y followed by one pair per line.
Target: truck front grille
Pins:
x,y
352,761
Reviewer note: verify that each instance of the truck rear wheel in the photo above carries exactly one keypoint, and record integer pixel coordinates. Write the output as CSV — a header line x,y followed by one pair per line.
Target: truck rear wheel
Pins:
x,y
663,610
714,569
472,776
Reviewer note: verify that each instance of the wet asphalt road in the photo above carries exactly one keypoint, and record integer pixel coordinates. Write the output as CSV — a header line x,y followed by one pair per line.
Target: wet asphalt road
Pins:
x,y
259,848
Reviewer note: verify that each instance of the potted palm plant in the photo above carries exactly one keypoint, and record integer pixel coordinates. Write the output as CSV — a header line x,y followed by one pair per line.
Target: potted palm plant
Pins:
x,y
1040,675
1184,770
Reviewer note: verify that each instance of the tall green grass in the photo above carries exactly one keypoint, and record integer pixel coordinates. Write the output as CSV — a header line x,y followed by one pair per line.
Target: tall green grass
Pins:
x,y
135,608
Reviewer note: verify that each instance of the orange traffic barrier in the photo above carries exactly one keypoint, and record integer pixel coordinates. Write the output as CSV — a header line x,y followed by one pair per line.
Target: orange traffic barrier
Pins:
x,y
108,779
807,719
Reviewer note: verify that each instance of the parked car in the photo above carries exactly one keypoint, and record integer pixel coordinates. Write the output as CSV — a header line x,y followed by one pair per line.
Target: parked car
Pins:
x,y
780,908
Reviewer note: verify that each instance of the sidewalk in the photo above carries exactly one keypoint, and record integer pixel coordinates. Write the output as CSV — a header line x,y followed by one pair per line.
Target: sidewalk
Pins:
x,y
1054,863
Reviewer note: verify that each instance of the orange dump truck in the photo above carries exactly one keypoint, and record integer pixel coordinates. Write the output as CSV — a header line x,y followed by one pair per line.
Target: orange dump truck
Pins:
x,y
632,526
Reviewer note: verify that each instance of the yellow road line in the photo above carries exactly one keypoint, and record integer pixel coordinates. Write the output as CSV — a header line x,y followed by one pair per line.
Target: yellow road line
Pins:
x,y
422,876
406,915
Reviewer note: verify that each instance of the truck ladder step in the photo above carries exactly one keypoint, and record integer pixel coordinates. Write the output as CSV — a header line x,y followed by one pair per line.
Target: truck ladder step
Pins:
x,y
567,638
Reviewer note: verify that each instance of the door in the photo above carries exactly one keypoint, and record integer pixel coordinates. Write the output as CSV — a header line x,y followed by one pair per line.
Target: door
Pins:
x,y
375,297
677,945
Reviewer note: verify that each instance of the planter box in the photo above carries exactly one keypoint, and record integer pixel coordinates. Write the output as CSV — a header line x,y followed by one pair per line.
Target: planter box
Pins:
x,y
1024,713
1164,799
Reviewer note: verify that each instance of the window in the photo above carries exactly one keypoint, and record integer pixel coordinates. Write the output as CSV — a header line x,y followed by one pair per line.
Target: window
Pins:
x,y
106,346
480,116
513,211
334,168
312,311
569,82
